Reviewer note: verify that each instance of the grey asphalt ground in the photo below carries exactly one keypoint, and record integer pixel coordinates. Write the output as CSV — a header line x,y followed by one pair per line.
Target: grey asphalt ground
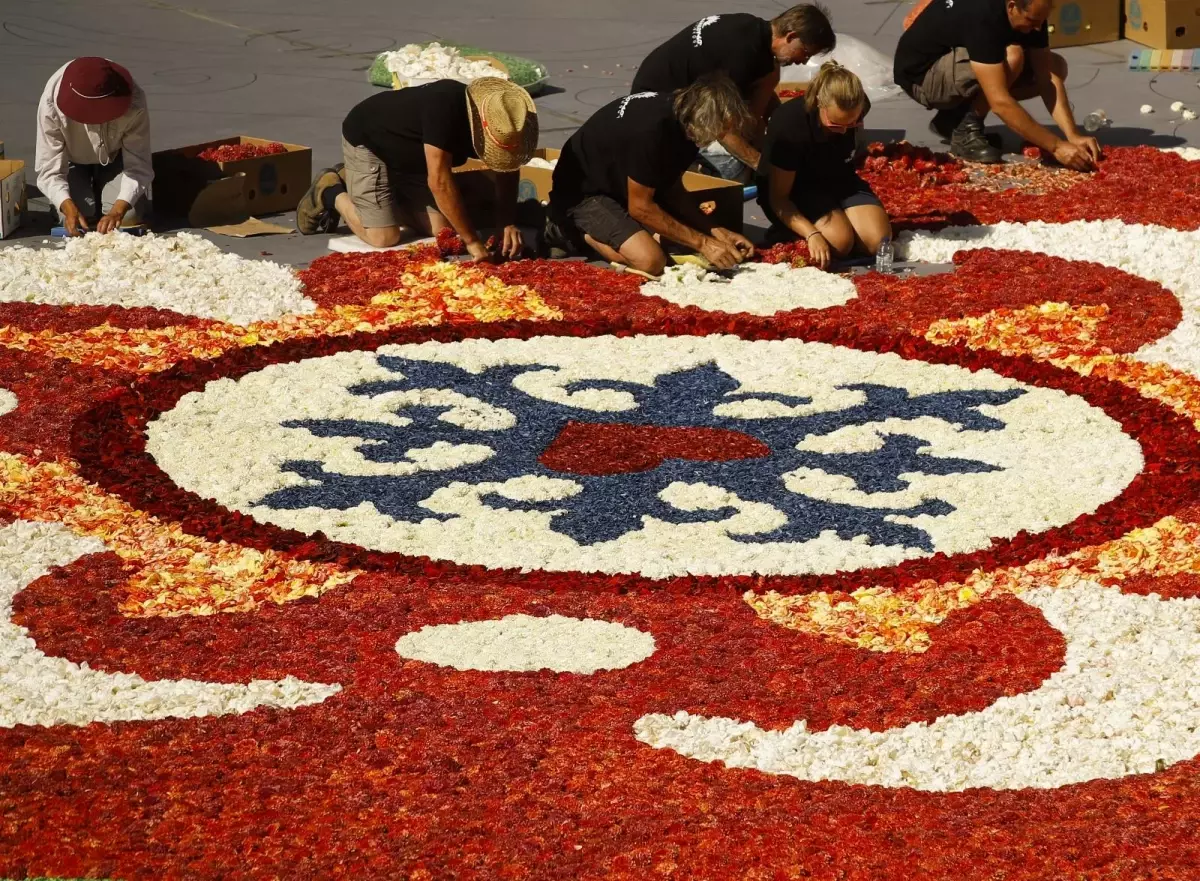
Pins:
x,y
291,70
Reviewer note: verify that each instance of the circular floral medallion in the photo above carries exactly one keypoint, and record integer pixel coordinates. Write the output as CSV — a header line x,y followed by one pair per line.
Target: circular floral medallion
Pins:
x,y
661,456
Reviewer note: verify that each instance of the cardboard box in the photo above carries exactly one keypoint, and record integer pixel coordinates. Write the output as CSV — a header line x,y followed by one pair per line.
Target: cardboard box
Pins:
x,y
12,195
272,184
791,88
535,182
1083,22
707,200
1163,24
702,200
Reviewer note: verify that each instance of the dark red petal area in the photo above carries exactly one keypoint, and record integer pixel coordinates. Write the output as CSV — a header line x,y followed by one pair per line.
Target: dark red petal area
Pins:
x,y
616,448
1134,184
712,656
417,767
36,317
471,774
51,395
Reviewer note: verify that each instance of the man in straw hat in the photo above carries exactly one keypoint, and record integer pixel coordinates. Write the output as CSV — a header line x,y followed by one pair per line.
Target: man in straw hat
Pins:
x,y
92,156
617,169
400,149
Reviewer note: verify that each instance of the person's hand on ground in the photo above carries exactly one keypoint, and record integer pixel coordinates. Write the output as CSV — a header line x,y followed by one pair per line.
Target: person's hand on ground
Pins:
x,y
1089,144
720,254
742,244
513,244
75,223
112,220
819,251
1073,156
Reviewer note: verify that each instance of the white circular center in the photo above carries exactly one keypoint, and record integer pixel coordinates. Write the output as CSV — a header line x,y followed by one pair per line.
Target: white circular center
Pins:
x,y
520,643
662,456
756,288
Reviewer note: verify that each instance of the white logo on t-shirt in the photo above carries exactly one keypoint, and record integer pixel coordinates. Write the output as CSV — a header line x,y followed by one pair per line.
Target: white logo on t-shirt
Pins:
x,y
697,31
949,4
625,101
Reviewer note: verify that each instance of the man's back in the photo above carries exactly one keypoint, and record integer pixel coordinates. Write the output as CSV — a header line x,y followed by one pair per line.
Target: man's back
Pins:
x,y
737,43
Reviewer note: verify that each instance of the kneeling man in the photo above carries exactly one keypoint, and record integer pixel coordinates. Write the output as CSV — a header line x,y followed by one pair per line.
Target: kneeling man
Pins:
x,y
963,58
631,154
92,156
400,149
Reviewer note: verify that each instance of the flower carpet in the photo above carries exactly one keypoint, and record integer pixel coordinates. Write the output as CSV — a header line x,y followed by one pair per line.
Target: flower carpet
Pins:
x,y
401,567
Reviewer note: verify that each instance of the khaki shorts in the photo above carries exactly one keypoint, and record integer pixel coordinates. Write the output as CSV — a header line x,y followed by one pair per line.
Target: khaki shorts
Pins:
x,y
951,81
382,197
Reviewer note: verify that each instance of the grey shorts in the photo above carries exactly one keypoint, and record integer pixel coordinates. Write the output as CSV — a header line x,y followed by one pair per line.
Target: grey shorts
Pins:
x,y
381,196
601,217
951,81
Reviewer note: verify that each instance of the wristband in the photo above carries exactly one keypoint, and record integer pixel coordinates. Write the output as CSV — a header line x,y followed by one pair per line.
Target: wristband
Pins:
x,y
815,232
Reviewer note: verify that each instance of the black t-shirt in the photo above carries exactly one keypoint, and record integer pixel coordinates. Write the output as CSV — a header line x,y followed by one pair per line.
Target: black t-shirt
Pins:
x,y
979,26
796,141
738,43
634,137
396,125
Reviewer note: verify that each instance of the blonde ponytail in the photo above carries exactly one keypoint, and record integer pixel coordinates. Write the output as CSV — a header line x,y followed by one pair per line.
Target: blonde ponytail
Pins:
x,y
835,85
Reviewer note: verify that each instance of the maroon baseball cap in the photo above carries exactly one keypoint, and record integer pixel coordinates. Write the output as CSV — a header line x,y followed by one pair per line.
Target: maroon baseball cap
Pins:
x,y
94,91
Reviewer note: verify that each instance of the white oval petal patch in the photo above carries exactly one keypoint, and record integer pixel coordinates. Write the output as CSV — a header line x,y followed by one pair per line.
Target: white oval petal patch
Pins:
x,y
523,643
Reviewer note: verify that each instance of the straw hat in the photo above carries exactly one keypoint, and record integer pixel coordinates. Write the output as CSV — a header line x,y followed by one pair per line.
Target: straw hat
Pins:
x,y
504,124
94,91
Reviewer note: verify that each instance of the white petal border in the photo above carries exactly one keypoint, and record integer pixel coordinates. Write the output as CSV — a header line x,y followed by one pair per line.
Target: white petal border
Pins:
x,y
36,689
1124,702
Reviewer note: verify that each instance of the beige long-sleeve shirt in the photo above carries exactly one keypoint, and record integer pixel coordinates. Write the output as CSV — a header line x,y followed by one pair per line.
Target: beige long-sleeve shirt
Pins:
x,y
61,141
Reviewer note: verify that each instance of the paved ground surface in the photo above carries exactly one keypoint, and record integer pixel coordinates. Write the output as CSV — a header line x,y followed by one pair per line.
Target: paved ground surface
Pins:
x,y
291,70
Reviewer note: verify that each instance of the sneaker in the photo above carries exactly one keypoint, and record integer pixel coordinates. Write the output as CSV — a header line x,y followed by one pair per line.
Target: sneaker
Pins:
x,y
311,216
969,142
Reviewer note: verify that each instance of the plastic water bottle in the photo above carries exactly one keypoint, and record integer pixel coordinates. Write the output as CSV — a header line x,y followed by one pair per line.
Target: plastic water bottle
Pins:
x,y
1095,121
884,256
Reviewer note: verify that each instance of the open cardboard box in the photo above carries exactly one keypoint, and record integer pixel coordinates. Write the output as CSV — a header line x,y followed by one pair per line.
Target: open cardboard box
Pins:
x,y
786,91
271,184
701,201
12,196
1163,24
1083,22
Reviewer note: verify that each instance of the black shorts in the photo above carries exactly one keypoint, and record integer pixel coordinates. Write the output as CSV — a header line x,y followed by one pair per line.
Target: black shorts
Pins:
x,y
601,217
814,203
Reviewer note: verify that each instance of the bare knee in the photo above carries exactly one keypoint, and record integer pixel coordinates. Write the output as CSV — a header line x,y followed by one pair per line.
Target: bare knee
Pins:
x,y
381,236
838,232
873,234
644,254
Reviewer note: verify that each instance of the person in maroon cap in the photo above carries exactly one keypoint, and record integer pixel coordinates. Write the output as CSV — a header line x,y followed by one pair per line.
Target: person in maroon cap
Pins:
x,y
93,146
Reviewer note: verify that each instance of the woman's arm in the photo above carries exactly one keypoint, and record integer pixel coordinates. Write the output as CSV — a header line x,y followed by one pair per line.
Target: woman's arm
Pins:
x,y
780,186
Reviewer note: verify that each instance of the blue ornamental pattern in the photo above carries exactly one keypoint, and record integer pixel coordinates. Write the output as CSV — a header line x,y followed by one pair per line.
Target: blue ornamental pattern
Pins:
x,y
611,506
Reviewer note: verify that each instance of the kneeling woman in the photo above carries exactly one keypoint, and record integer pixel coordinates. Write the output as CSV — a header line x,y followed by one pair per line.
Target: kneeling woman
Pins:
x,y
807,184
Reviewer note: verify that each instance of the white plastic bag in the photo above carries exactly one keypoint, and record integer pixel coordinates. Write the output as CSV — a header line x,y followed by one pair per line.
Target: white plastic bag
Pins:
x,y
872,67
